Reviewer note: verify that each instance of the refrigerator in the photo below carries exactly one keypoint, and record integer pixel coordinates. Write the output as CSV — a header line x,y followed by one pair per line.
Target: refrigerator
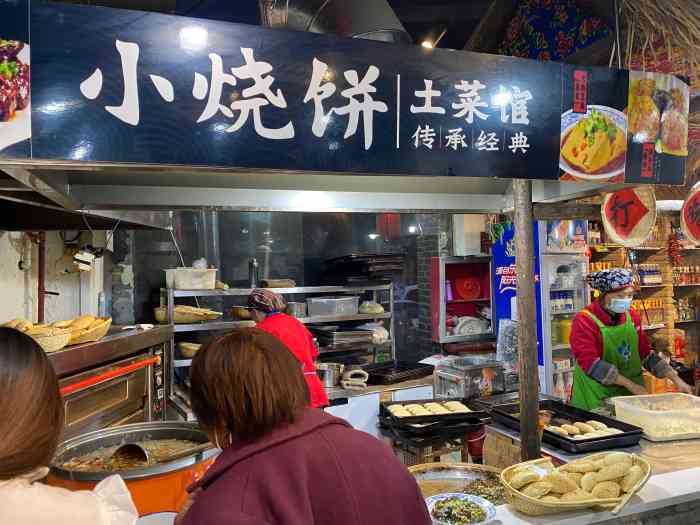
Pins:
x,y
560,292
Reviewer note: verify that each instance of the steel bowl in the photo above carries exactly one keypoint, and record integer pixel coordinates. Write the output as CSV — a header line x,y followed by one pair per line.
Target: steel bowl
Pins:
x,y
134,433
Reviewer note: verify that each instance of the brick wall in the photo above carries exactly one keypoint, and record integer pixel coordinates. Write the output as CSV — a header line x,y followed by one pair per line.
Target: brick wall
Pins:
x,y
433,241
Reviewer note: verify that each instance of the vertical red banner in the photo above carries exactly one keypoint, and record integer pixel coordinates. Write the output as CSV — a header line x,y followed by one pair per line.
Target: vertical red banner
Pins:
x,y
580,91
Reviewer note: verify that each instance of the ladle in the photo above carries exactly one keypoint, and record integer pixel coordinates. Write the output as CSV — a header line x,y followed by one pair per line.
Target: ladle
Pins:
x,y
135,452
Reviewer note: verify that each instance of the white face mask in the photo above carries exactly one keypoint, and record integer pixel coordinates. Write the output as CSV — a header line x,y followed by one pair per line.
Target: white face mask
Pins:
x,y
620,305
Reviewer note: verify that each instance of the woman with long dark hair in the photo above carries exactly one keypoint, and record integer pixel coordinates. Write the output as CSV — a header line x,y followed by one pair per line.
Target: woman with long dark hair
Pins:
x,y
31,422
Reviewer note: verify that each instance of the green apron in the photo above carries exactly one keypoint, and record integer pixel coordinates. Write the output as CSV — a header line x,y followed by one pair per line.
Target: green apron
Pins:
x,y
620,348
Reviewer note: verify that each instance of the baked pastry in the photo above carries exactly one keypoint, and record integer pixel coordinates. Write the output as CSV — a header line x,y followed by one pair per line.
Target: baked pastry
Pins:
x,y
557,430
560,482
577,495
571,430
523,478
588,481
581,466
597,425
584,427
633,476
537,489
612,472
456,406
606,490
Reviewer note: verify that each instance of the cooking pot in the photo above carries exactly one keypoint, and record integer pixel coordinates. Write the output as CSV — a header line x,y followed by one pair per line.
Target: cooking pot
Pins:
x,y
330,373
156,490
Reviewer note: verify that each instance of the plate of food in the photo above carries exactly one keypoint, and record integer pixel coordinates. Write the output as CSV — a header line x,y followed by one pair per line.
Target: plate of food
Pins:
x,y
460,509
15,110
593,144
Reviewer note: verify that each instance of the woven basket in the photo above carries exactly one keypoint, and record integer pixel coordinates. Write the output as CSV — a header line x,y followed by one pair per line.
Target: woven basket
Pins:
x,y
54,340
188,316
79,337
535,507
436,478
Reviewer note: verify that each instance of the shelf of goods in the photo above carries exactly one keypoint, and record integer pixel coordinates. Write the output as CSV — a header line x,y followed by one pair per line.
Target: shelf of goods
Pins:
x,y
460,297
177,394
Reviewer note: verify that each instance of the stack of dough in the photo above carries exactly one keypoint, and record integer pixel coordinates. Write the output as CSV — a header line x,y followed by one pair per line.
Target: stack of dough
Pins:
x,y
428,409
587,430
602,476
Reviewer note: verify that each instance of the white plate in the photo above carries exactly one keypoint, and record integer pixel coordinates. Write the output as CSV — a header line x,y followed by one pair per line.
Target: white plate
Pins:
x,y
570,119
19,128
486,505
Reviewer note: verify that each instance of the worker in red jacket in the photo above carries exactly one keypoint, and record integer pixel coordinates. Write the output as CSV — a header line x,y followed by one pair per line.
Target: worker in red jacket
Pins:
x,y
610,346
267,309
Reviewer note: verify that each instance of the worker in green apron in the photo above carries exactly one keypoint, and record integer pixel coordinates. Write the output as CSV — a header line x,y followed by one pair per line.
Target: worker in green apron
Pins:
x,y
610,347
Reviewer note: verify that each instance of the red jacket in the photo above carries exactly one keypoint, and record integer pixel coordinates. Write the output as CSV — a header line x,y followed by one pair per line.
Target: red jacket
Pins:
x,y
300,342
587,341
318,471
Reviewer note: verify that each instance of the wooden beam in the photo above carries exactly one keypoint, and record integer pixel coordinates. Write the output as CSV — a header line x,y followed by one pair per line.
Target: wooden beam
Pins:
x,y
527,321
566,210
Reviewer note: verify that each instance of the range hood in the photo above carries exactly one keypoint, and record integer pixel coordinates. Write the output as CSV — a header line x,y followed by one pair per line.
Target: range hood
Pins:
x,y
28,203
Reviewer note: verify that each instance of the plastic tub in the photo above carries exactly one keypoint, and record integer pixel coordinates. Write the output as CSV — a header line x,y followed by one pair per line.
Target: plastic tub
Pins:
x,y
332,305
193,279
663,417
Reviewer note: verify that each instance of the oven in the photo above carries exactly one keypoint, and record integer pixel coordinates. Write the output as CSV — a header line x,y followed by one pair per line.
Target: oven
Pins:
x,y
125,391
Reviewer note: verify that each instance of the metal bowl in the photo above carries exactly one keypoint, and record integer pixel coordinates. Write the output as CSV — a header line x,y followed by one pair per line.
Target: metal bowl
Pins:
x,y
134,433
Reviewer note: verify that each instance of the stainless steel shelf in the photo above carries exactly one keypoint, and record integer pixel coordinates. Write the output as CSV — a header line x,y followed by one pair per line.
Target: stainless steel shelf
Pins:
x,y
285,291
213,325
559,348
182,408
182,363
339,318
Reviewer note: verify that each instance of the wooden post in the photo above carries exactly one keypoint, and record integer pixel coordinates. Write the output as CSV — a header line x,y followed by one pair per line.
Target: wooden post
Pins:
x,y
527,320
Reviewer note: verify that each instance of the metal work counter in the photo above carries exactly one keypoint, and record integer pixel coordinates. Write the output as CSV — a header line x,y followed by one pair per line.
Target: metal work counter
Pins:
x,y
339,393
116,344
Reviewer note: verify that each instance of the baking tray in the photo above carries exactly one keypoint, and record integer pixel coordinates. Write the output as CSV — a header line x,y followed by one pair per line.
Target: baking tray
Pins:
x,y
435,439
476,417
392,372
439,428
630,437
490,402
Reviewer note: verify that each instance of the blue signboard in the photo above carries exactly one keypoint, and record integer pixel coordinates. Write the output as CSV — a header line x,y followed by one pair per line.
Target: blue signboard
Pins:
x,y
121,86
505,281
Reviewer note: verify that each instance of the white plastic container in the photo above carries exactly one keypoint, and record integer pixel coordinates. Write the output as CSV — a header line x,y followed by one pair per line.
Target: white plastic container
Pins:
x,y
191,279
664,417
332,305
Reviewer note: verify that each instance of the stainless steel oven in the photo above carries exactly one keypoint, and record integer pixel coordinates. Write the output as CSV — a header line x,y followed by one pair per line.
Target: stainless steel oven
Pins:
x,y
116,394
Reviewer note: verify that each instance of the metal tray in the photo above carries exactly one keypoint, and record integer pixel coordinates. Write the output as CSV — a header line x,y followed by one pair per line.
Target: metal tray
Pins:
x,y
396,371
630,437
475,417
434,439
490,402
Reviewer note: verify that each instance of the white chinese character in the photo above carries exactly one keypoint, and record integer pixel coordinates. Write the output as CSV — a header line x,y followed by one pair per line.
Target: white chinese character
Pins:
x,y
128,111
519,142
424,137
428,94
164,87
470,101
319,92
218,80
254,97
518,103
366,107
487,142
257,96
455,139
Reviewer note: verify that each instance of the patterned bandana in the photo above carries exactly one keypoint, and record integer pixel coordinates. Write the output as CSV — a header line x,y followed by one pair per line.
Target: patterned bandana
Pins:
x,y
610,280
266,301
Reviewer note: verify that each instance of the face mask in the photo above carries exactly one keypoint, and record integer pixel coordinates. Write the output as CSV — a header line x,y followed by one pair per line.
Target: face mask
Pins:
x,y
619,305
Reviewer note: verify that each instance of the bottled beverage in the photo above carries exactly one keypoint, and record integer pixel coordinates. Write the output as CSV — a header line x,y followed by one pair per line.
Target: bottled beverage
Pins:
x,y
559,387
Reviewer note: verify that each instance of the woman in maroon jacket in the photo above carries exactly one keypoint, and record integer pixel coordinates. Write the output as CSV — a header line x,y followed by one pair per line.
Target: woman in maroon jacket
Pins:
x,y
282,462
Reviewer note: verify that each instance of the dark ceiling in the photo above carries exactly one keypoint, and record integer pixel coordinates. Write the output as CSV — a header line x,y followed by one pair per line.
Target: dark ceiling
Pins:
x,y
425,19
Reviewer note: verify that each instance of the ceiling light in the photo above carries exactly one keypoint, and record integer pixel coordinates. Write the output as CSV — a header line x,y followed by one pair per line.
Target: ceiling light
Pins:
x,y
427,44
193,38
373,236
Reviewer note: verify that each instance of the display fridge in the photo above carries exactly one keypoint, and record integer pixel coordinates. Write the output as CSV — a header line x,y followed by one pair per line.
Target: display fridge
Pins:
x,y
564,293
560,292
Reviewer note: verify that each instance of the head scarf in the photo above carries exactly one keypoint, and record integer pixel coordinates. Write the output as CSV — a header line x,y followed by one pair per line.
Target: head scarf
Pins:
x,y
610,280
266,301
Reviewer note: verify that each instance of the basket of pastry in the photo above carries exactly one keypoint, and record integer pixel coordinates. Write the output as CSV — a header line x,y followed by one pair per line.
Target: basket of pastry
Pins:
x,y
86,328
186,314
604,481
50,338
